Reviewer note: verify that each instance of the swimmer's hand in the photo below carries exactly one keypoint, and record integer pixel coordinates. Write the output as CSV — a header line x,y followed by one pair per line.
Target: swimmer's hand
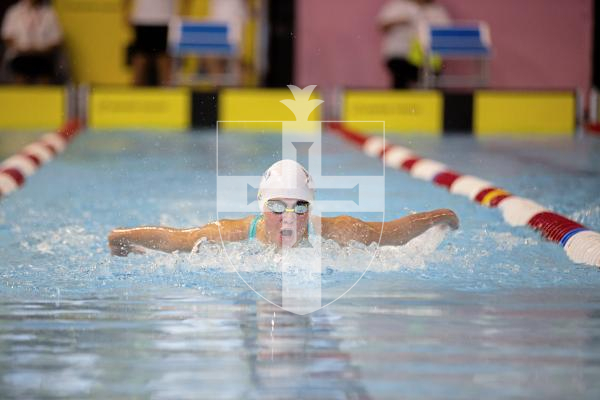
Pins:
x,y
121,246
445,216
403,230
124,250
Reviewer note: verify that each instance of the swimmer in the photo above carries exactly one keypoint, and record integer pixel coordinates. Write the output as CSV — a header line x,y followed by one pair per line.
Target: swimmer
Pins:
x,y
285,195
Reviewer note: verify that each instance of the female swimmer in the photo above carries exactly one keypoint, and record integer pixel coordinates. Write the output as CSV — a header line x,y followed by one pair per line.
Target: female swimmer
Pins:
x,y
285,196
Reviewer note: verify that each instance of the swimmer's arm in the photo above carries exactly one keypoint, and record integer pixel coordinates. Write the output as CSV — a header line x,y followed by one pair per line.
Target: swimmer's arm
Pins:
x,y
400,231
129,240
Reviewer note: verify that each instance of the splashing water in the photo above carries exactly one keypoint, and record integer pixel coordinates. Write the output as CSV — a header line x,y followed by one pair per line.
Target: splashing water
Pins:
x,y
252,256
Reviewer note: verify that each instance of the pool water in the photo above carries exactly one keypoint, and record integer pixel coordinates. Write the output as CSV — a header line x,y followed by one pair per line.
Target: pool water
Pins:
x,y
488,310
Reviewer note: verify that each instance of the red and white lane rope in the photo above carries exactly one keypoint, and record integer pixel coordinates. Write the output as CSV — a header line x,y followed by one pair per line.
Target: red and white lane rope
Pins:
x,y
581,244
15,169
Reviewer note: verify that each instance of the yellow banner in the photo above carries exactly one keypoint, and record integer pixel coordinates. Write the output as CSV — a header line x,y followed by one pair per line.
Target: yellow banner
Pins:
x,y
252,109
127,108
524,113
39,107
403,111
96,35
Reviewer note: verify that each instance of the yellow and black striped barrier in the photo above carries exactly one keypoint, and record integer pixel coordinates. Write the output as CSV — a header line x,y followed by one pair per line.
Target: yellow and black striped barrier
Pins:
x,y
482,112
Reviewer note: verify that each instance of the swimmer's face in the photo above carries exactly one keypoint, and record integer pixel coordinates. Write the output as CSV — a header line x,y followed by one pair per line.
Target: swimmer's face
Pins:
x,y
287,228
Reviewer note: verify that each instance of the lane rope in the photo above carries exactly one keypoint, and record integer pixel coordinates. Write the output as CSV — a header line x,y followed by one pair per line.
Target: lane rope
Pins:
x,y
15,170
581,244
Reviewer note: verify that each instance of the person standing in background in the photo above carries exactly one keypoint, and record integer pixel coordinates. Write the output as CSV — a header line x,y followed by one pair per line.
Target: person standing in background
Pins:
x,y
399,21
149,57
32,36
233,13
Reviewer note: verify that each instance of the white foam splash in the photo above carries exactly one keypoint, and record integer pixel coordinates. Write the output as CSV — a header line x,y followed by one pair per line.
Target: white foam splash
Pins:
x,y
415,254
255,257
62,240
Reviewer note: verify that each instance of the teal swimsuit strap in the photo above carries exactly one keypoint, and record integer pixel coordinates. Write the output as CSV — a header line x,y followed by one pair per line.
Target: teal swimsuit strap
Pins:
x,y
252,230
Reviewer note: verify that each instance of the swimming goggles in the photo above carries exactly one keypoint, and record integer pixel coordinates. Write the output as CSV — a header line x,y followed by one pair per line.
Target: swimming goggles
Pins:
x,y
279,207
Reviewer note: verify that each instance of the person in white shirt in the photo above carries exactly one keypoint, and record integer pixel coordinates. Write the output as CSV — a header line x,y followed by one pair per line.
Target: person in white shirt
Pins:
x,y
32,36
150,21
399,21
234,13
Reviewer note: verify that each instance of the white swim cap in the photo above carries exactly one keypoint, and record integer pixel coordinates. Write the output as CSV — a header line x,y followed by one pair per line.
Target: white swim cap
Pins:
x,y
285,179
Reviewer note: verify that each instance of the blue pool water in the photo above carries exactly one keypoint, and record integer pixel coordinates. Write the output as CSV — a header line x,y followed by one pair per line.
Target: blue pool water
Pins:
x,y
491,311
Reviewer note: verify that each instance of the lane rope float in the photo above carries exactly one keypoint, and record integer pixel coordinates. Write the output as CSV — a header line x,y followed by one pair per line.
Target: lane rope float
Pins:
x,y
581,244
15,170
